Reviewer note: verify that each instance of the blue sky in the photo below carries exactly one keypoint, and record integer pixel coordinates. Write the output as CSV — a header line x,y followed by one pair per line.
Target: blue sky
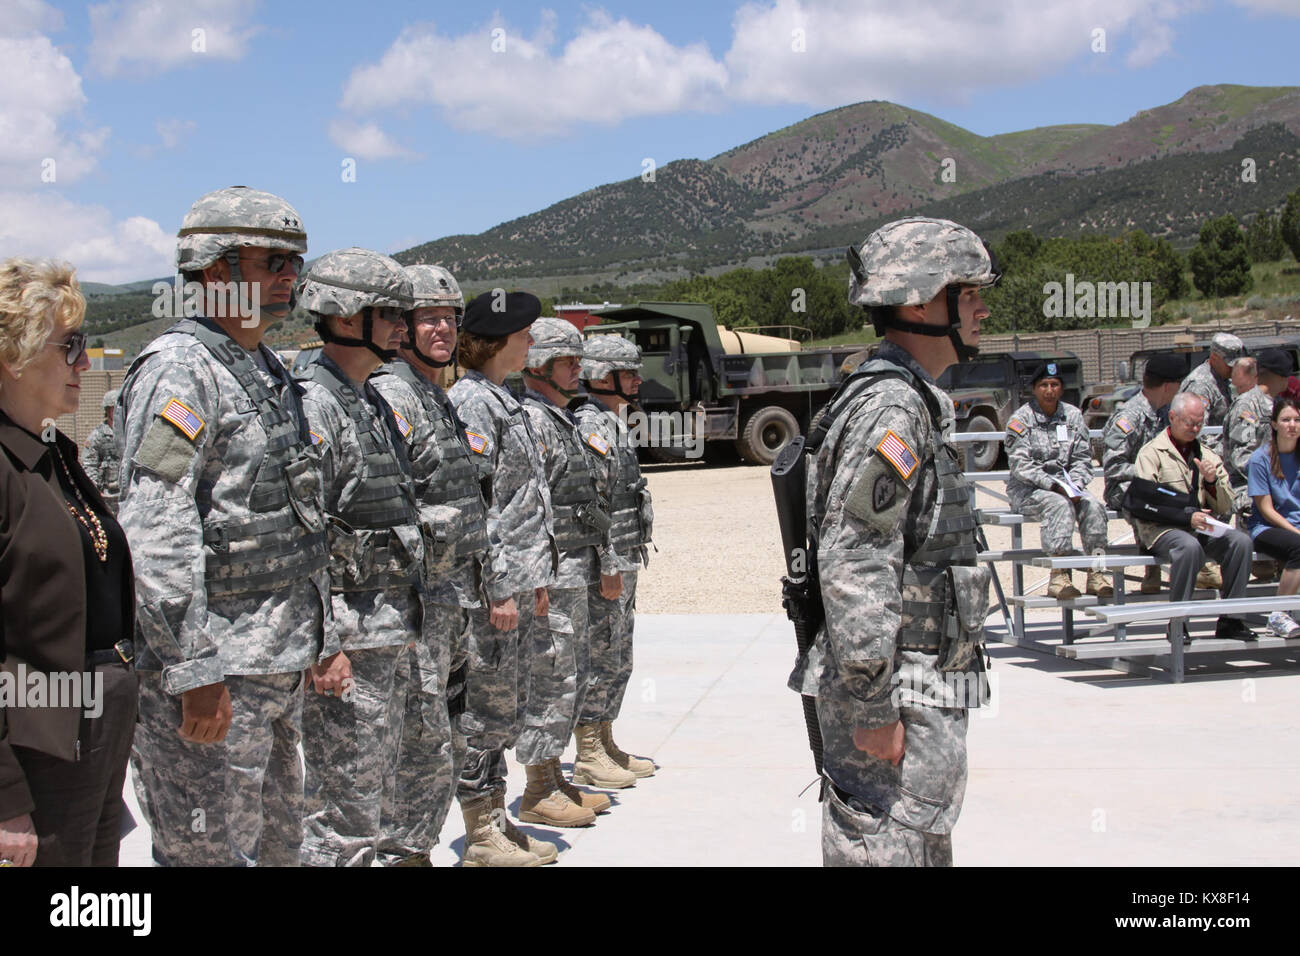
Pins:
x,y
452,135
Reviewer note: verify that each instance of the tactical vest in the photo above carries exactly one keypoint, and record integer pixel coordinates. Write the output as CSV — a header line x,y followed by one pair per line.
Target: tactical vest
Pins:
x,y
930,545
629,506
579,520
378,545
456,481
281,540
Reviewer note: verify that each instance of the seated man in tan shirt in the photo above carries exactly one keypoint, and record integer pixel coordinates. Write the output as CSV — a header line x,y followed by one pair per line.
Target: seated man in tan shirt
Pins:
x,y
1180,532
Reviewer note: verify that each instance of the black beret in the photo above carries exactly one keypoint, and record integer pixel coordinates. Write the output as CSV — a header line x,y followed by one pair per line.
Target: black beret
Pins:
x,y
1047,370
1169,366
1277,361
493,315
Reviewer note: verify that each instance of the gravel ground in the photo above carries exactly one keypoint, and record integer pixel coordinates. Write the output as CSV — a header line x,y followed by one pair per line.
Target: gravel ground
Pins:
x,y
719,548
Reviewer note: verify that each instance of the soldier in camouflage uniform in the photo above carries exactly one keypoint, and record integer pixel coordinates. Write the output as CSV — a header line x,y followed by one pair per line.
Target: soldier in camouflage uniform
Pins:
x,y
561,654
1245,427
1211,380
898,661
394,712
221,501
1047,439
1133,424
610,366
100,457
453,512
520,561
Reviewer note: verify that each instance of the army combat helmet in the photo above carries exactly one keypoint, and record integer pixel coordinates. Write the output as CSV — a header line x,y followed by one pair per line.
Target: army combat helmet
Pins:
x,y
110,398
603,354
909,262
222,222
432,286
552,338
351,281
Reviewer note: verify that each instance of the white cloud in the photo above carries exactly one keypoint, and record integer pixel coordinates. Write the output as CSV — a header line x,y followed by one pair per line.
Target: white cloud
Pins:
x,y
855,51
144,36
1287,7
29,16
39,93
173,131
610,71
367,141
102,249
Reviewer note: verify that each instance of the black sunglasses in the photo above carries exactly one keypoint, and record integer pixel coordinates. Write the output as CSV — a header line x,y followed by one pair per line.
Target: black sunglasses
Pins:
x,y
76,346
276,262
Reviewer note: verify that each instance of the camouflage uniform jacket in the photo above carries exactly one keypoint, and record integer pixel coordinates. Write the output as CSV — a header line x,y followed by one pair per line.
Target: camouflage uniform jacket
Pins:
x,y
1130,427
101,460
614,460
173,484
1036,453
580,567
874,479
521,545
1248,424
1217,394
389,613
453,578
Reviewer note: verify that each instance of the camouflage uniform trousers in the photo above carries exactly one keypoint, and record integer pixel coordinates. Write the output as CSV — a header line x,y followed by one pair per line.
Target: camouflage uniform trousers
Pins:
x,y
561,669
924,792
411,821
611,624
234,803
1057,515
352,747
496,697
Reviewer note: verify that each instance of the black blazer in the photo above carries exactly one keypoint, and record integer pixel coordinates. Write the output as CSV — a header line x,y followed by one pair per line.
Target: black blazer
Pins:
x,y
42,596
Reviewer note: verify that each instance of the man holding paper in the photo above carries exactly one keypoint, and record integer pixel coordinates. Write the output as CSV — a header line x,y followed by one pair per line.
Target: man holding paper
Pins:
x,y
1179,493
1050,455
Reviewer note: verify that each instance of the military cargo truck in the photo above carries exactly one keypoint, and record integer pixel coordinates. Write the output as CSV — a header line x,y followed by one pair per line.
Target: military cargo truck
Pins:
x,y
756,391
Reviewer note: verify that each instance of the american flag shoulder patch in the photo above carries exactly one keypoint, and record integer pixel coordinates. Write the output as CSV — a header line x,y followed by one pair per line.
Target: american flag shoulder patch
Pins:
x,y
403,425
476,442
316,438
1247,415
896,451
598,443
1015,426
183,417
1124,425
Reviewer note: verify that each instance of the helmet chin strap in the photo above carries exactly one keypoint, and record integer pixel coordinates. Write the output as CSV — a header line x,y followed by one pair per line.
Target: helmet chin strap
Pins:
x,y
367,329
277,310
415,349
545,374
616,390
953,329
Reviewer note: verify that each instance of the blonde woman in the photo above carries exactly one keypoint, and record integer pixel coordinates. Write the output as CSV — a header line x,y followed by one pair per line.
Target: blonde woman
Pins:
x,y
66,593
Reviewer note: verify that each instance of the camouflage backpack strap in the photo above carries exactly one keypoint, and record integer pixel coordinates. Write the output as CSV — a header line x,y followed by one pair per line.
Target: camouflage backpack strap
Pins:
x,y
855,385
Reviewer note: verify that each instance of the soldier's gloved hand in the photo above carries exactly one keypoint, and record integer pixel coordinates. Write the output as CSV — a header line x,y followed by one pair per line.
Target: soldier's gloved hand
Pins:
x,y
333,677
883,743
18,841
504,616
541,602
206,714
611,585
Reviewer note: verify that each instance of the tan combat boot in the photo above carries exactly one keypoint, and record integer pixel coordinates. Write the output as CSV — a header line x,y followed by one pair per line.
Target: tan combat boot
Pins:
x,y
1210,576
1151,580
637,765
1098,585
595,767
1060,586
545,803
595,802
485,845
544,850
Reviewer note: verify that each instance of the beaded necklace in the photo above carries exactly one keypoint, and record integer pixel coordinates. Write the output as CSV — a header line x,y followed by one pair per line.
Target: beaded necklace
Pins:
x,y
98,539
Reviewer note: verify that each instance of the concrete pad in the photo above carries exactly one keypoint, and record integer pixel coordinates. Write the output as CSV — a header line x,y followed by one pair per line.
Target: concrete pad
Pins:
x,y
1071,764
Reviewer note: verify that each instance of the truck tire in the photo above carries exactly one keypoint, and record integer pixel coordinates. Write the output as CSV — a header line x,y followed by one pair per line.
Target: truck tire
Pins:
x,y
981,456
768,431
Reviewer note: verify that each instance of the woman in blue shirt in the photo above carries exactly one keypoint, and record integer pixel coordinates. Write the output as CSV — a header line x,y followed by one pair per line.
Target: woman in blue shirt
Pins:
x,y
1273,482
